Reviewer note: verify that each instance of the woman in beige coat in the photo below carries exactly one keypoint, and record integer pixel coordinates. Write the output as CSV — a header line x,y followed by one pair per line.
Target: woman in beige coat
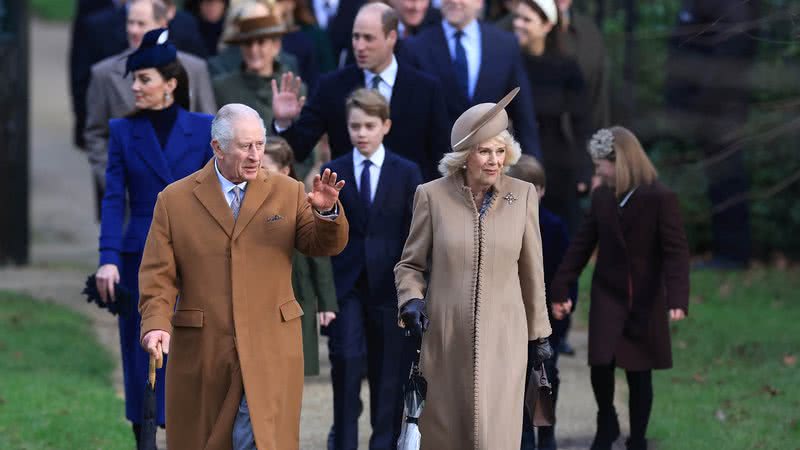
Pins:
x,y
474,255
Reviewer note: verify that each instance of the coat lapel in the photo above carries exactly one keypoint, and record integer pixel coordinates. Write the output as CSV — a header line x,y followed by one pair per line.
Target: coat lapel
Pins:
x,y
402,94
447,73
484,71
355,210
178,140
209,192
384,179
146,144
614,217
255,194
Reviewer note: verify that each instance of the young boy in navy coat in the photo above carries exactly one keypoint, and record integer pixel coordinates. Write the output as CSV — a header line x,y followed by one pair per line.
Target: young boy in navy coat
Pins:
x,y
378,195
555,240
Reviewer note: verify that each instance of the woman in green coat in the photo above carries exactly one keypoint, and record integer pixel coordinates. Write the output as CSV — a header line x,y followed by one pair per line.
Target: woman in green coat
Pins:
x,y
259,33
312,278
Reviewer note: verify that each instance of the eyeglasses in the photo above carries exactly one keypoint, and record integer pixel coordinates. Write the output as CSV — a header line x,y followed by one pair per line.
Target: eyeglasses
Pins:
x,y
256,145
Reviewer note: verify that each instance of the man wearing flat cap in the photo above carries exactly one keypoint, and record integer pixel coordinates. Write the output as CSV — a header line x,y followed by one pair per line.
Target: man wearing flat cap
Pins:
x,y
471,277
215,289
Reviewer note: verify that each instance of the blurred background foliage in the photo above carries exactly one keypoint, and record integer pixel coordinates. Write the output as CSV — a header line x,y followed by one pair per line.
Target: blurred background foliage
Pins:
x,y
771,142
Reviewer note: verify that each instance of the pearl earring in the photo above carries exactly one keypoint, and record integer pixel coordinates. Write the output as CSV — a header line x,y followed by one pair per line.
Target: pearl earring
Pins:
x,y
167,96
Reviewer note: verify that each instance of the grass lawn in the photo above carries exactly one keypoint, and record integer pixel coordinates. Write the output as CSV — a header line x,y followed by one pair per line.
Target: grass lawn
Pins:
x,y
736,381
56,390
61,10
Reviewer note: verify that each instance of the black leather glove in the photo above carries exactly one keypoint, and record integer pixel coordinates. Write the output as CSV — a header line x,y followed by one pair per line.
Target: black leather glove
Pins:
x,y
412,313
539,351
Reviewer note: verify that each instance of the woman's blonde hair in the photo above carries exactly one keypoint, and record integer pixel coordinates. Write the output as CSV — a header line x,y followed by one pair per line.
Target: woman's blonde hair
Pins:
x,y
633,167
453,162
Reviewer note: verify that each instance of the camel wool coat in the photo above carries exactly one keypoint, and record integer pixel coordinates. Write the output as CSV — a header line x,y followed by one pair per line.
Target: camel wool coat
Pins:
x,y
236,325
483,282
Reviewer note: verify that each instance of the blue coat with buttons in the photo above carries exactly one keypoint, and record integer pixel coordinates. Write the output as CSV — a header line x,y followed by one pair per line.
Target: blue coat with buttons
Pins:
x,y
138,169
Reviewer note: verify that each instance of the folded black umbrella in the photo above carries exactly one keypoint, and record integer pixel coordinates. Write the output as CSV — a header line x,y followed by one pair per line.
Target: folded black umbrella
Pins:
x,y
147,436
122,297
414,392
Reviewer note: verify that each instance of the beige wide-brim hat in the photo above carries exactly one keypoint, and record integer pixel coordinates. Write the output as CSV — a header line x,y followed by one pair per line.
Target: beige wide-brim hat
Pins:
x,y
257,27
480,123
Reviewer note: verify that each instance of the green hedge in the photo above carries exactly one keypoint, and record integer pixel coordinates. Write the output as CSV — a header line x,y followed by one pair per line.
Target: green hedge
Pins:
x,y
60,10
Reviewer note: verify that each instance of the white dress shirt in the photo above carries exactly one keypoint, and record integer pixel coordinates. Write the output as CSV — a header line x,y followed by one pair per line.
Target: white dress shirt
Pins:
x,y
374,169
471,41
227,186
388,78
324,11
227,191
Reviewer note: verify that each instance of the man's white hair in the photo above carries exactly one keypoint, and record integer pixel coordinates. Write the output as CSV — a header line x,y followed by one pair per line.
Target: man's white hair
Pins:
x,y
222,125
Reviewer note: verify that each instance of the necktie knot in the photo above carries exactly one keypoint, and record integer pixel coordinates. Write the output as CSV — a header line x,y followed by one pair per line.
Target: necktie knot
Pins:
x,y
458,34
376,82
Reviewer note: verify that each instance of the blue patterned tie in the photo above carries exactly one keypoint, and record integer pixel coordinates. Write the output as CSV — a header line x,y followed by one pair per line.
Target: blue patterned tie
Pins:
x,y
366,186
236,203
460,64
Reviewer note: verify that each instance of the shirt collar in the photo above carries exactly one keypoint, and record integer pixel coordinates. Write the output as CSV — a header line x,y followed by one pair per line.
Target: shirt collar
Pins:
x,y
227,185
626,198
470,31
389,74
376,158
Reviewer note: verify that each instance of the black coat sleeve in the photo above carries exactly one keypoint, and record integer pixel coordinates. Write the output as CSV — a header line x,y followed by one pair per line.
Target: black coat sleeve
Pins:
x,y
522,110
306,131
578,253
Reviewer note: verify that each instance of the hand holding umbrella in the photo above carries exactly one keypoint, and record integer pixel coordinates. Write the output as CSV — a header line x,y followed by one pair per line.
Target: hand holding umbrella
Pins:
x,y
147,439
414,392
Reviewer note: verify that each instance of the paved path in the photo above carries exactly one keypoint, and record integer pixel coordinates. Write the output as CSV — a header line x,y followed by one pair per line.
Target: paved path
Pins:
x,y
64,251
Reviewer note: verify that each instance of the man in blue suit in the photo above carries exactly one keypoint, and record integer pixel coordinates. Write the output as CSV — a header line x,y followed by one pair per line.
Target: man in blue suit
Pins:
x,y
378,195
476,63
420,127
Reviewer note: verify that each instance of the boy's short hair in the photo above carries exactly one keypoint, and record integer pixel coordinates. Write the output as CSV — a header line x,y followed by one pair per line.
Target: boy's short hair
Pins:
x,y
372,102
530,170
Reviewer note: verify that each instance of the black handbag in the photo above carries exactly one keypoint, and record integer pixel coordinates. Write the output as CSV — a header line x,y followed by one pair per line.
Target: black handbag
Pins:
x,y
539,403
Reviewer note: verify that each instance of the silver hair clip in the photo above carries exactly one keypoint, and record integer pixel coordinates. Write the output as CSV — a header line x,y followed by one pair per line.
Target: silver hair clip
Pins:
x,y
601,145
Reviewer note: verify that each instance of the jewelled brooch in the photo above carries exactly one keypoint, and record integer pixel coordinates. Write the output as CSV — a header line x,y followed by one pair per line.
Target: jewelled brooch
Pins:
x,y
510,198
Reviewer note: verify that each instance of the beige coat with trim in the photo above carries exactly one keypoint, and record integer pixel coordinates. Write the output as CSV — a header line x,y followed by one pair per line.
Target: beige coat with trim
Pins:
x,y
484,285
237,324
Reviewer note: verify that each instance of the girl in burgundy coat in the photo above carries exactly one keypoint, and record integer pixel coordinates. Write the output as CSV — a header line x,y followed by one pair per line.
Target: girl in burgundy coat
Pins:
x,y
640,282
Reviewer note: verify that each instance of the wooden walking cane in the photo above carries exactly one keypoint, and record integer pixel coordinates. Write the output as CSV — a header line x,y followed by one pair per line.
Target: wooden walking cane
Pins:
x,y
155,363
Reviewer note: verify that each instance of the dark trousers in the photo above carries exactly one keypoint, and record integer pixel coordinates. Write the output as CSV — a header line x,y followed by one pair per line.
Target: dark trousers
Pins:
x,y
366,330
640,401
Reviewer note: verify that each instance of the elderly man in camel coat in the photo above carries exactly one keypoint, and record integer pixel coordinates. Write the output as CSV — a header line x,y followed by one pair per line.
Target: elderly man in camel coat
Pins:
x,y
220,246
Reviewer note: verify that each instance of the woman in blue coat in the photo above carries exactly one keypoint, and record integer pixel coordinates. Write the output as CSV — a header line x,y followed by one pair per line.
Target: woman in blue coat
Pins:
x,y
160,142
